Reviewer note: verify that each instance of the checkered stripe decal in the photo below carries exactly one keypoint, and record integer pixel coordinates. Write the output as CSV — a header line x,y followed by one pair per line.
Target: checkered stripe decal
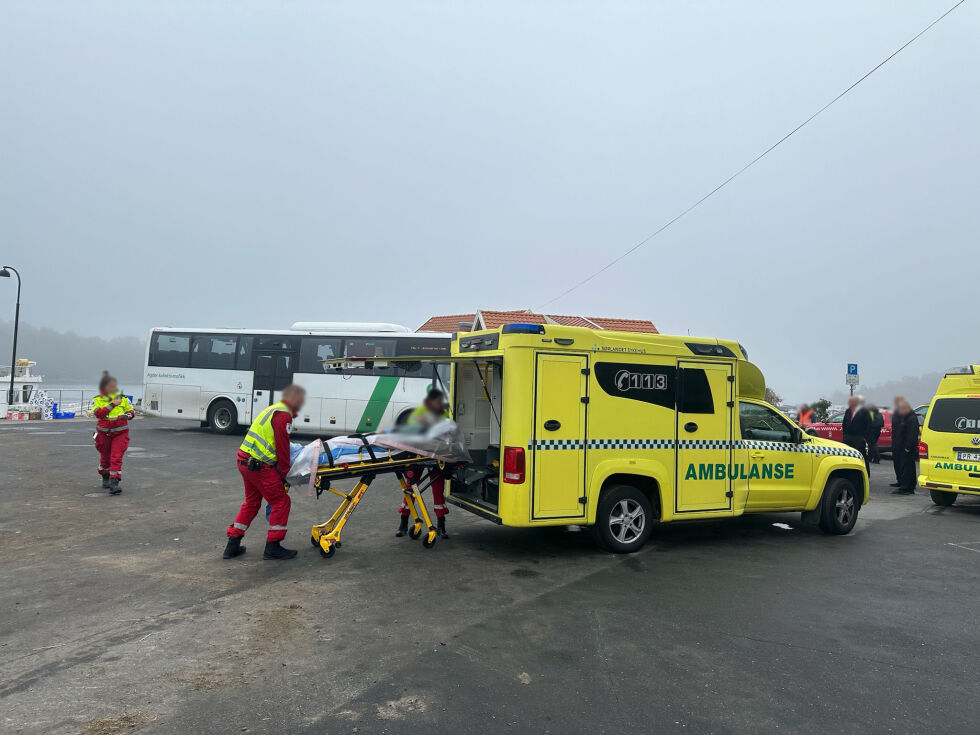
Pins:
x,y
546,444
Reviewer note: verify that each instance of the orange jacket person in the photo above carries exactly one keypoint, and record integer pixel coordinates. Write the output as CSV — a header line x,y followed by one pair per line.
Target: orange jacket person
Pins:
x,y
263,462
113,412
806,415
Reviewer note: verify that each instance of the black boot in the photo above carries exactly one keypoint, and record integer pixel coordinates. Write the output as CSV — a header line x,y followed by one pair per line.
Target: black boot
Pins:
x,y
114,488
233,548
274,551
441,527
402,527
105,482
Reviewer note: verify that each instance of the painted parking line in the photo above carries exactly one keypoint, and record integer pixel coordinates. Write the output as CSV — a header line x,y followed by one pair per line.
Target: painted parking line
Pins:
x,y
967,545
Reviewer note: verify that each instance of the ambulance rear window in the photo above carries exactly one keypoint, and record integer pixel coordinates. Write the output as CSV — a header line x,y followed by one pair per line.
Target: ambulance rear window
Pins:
x,y
955,416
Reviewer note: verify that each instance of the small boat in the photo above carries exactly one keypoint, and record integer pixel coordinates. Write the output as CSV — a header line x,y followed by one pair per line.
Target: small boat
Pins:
x,y
26,384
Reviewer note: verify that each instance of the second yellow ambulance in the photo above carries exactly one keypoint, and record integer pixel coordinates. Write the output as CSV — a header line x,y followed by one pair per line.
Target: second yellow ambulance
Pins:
x,y
949,448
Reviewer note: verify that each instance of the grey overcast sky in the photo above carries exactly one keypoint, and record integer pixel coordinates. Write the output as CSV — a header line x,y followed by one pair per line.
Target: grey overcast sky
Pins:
x,y
252,164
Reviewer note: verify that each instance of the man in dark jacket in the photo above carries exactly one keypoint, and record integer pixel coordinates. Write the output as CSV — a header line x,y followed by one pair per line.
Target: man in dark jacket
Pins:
x,y
857,428
877,424
905,446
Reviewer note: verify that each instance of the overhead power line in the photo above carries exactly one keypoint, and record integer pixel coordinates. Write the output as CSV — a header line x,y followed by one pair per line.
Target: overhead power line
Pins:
x,y
750,164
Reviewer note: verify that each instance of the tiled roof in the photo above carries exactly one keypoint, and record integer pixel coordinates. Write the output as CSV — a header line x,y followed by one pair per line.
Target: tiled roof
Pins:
x,y
447,323
494,319
571,321
625,325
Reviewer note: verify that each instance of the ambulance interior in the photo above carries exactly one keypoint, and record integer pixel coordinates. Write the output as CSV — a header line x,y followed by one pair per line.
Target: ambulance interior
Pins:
x,y
477,392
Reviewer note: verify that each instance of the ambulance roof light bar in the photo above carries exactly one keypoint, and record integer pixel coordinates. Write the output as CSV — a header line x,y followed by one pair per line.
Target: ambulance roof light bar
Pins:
x,y
960,370
522,328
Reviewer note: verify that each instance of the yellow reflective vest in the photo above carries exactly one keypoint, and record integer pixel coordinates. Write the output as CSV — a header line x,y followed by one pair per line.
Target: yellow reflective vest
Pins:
x,y
260,440
124,407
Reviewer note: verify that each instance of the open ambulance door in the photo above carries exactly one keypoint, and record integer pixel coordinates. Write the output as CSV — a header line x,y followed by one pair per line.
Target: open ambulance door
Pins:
x,y
474,388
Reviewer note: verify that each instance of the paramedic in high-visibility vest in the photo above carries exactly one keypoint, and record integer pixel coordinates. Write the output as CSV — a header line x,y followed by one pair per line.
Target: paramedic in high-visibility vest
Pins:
x,y
113,412
263,461
432,409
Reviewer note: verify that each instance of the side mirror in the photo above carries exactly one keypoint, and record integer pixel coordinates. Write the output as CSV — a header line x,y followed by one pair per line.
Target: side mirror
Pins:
x,y
796,434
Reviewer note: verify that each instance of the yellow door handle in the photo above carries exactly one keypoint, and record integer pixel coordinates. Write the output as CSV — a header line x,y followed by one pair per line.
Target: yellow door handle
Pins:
x,y
758,455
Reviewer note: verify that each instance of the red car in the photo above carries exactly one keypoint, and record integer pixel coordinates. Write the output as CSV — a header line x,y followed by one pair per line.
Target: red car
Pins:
x,y
831,429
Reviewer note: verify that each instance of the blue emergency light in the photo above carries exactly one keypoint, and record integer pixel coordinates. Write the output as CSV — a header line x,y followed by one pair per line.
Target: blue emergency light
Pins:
x,y
522,328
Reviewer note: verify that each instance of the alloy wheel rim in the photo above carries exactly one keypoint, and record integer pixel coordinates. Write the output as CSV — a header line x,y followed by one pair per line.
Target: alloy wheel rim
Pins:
x,y
627,521
845,506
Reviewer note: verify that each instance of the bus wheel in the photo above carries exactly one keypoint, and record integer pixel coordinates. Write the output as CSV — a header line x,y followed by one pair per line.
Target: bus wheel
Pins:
x,y
941,497
838,507
624,519
223,417
403,418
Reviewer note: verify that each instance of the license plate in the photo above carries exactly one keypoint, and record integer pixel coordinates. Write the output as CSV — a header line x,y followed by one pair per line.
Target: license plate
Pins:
x,y
968,456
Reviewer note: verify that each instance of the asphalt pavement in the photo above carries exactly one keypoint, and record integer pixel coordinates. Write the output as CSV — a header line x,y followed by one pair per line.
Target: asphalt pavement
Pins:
x,y
118,614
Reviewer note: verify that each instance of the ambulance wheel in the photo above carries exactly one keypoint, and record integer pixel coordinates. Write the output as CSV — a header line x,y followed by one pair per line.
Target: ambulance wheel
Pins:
x,y
839,507
223,417
326,554
943,498
415,531
430,542
624,519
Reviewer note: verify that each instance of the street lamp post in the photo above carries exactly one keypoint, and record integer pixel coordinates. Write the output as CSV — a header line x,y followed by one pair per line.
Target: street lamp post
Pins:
x,y
5,273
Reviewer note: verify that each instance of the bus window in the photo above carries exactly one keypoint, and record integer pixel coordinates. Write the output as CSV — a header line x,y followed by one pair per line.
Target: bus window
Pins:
x,y
215,351
170,350
277,343
313,350
370,347
244,359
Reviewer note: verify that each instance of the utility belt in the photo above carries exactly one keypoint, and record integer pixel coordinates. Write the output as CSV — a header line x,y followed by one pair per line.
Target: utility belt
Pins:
x,y
254,465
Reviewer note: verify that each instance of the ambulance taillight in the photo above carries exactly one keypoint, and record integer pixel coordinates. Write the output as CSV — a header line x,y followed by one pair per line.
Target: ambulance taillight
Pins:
x,y
514,465
923,450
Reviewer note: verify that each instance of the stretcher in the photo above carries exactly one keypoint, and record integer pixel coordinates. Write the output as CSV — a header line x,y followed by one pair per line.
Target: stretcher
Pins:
x,y
369,462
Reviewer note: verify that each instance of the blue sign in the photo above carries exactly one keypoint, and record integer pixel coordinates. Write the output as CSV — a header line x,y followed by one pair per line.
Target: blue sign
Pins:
x,y
852,368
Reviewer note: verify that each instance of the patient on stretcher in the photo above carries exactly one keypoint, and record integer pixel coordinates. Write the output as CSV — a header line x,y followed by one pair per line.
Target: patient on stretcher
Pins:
x,y
441,440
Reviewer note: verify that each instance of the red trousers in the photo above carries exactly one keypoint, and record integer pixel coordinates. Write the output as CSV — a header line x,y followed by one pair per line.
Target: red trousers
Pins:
x,y
259,484
438,483
111,448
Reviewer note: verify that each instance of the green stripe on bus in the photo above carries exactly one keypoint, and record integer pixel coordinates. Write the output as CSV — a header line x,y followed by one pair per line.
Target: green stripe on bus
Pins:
x,y
377,403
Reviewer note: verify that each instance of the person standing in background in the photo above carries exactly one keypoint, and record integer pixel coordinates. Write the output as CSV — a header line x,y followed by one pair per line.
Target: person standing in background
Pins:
x,y
905,446
877,424
806,416
856,428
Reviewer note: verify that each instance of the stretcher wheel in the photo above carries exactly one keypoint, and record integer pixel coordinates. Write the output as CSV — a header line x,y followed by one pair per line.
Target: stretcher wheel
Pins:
x,y
430,540
415,531
314,540
326,554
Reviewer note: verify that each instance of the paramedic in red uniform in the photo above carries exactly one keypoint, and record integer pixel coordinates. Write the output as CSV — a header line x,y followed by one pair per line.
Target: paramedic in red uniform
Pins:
x,y
113,412
263,461
432,409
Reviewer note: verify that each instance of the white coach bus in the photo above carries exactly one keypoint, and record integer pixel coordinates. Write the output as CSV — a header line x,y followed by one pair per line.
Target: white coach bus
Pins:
x,y
223,377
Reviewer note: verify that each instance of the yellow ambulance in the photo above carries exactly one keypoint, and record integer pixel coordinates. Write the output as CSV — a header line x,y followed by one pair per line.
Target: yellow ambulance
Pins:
x,y
622,431
949,447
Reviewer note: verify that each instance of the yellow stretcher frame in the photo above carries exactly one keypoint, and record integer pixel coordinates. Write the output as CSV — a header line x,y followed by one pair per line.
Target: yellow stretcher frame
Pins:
x,y
326,535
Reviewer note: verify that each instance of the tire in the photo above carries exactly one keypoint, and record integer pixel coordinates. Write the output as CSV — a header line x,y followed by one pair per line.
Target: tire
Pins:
x,y
624,520
403,418
838,507
943,498
223,417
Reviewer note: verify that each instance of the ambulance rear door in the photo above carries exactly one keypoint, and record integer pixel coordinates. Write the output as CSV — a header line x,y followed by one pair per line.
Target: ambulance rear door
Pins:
x,y
705,405
560,411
